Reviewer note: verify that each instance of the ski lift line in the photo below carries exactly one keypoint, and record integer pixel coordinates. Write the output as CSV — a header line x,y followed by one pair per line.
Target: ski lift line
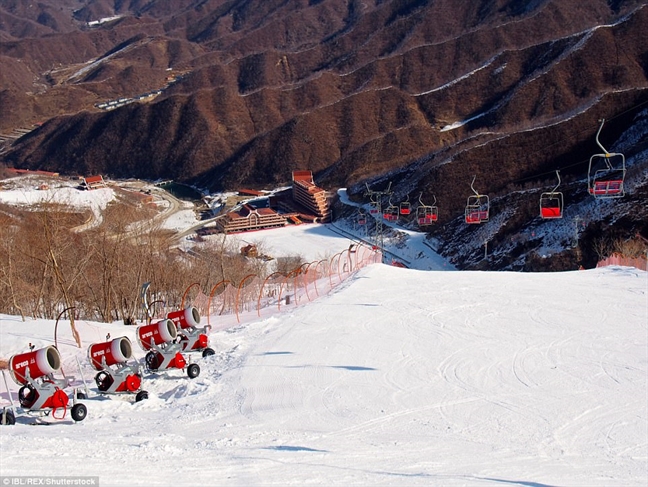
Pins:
x,y
477,207
609,189
606,182
551,202
426,215
539,175
561,141
630,109
634,107
546,173
352,237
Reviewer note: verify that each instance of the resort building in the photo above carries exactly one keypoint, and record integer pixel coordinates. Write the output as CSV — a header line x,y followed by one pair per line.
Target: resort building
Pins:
x,y
313,198
249,218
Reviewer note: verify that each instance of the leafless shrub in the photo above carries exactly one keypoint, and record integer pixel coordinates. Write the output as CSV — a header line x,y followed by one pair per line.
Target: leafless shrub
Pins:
x,y
632,248
289,264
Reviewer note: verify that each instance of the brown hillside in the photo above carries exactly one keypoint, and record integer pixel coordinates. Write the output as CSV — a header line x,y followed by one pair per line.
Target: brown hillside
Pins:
x,y
425,93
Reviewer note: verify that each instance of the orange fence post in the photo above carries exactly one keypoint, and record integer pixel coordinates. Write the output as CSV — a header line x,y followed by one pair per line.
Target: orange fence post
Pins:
x,y
211,294
261,292
238,294
306,277
316,276
182,304
290,275
297,273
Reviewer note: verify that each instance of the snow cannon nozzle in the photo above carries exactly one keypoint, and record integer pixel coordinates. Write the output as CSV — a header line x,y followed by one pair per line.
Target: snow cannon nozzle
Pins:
x,y
34,364
162,332
185,318
116,351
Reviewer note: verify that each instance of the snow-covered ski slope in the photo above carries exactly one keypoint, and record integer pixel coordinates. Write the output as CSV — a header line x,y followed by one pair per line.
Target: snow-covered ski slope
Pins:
x,y
398,377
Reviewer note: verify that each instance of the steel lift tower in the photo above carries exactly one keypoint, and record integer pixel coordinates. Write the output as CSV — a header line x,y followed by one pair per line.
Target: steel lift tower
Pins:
x,y
376,199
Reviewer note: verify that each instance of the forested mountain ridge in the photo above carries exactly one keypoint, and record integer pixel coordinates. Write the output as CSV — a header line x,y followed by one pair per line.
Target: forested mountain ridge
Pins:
x,y
425,94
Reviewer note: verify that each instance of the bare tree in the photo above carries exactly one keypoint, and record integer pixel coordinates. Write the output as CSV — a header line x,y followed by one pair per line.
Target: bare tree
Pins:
x,y
9,273
60,255
47,265
603,247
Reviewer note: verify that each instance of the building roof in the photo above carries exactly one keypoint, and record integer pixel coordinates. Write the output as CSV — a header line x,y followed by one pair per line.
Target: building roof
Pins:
x,y
251,192
93,179
303,176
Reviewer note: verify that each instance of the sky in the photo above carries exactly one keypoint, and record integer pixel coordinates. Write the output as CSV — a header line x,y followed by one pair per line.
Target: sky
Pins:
x,y
395,377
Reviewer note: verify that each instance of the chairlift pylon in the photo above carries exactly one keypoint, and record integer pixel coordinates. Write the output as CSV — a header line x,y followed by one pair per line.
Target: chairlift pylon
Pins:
x,y
551,202
477,207
606,173
426,215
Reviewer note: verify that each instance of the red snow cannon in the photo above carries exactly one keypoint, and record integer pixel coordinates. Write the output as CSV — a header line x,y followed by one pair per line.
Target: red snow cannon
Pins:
x,y
34,364
163,350
160,333
109,353
192,338
115,375
39,391
185,318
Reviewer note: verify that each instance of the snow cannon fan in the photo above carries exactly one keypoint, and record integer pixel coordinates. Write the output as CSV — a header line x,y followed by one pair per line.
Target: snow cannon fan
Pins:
x,y
162,349
192,338
39,391
115,375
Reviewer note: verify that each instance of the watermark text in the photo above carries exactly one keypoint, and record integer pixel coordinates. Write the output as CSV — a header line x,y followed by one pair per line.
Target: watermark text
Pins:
x,y
47,480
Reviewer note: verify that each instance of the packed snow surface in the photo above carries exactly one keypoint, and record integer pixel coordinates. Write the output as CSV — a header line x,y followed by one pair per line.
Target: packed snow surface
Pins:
x,y
397,377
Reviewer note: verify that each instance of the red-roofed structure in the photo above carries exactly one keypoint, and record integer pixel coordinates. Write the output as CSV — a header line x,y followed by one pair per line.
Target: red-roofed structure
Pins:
x,y
29,171
250,192
94,182
249,218
311,197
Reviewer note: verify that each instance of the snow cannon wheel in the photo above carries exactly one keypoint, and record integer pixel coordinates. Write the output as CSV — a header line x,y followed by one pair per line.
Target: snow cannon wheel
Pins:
x,y
80,395
151,360
27,396
141,395
7,417
79,412
193,371
208,351
104,381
